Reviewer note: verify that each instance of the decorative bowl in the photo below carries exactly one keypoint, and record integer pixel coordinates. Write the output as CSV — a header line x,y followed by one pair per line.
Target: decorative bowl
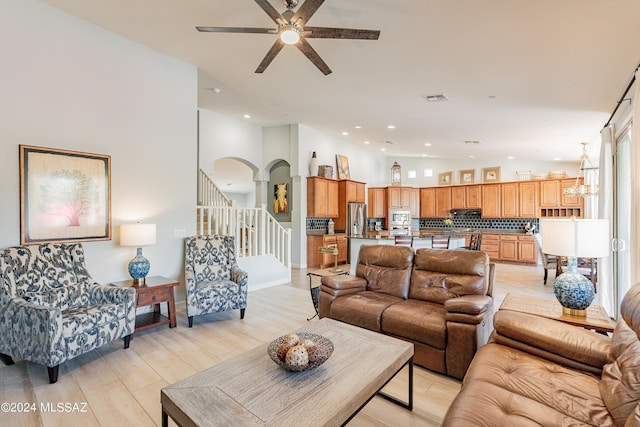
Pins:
x,y
323,348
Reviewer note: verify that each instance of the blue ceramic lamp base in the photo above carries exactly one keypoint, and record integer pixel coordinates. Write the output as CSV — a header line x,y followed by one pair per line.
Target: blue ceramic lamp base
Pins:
x,y
574,291
139,267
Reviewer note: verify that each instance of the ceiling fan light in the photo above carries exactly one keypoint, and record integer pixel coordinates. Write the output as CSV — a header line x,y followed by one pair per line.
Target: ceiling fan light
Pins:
x,y
290,34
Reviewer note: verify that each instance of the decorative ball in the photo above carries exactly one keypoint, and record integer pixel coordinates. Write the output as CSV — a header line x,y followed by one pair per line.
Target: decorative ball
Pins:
x,y
291,339
307,343
315,354
297,357
282,351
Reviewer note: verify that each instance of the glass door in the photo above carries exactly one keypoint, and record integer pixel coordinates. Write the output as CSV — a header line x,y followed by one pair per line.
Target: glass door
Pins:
x,y
622,217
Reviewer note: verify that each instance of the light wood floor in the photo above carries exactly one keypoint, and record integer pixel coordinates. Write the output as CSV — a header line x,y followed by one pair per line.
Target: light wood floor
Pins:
x,y
117,387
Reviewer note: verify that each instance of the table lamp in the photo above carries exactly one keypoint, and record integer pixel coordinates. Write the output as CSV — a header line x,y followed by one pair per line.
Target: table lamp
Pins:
x,y
138,235
574,238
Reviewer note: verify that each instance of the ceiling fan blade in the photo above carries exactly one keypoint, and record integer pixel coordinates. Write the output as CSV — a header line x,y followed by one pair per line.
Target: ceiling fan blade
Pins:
x,y
271,11
341,33
313,56
275,49
305,11
236,30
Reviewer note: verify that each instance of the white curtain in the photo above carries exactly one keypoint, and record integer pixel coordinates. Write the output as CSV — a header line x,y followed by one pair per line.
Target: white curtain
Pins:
x,y
635,184
606,295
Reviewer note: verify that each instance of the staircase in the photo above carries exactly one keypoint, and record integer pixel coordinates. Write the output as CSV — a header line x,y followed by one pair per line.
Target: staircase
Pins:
x,y
263,246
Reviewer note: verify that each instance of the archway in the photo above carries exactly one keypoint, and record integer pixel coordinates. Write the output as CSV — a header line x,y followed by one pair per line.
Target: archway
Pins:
x,y
235,178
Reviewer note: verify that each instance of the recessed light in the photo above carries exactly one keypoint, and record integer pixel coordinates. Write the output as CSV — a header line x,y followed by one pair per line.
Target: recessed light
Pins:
x,y
358,127
247,116
391,127
345,133
557,158
366,142
472,156
383,149
510,157
215,89
424,155
427,144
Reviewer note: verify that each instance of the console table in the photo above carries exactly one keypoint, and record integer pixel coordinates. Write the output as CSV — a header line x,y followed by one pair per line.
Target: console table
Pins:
x,y
155,290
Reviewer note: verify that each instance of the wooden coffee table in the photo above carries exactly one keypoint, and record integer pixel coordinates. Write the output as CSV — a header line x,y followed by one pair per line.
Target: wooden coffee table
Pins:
x,y
250,389
596,318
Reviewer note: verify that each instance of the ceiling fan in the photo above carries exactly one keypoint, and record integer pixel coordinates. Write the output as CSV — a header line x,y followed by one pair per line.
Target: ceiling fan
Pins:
x,y
292,30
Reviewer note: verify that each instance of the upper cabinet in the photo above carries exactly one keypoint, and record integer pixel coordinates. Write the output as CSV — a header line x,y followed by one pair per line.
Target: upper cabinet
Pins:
x,y
443,202
353,191
553,203
491,201
415,203
509,200
549,194
377,206
466,197
528,199
428,202
322,197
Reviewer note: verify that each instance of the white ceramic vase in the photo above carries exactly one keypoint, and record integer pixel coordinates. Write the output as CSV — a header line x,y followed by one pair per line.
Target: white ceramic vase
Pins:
x,y
313,165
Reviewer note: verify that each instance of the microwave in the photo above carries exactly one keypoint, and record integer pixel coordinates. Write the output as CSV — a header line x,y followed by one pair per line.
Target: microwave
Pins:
x,y
399,217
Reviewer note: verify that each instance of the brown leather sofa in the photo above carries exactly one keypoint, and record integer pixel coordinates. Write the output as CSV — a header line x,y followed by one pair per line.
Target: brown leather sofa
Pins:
x,y
438,299
538,371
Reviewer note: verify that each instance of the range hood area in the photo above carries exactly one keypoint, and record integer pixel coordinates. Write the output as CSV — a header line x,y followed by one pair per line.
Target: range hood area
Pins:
x,y
466,213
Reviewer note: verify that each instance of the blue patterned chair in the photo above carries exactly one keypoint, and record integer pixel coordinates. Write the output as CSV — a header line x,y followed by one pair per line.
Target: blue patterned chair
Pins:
x,y
214,281
51,310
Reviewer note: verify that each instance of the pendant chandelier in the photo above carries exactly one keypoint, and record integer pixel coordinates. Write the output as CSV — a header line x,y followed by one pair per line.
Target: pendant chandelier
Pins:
x,y
582,189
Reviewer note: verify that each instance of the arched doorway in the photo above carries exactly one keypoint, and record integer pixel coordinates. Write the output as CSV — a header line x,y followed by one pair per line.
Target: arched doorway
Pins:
x,y
236,180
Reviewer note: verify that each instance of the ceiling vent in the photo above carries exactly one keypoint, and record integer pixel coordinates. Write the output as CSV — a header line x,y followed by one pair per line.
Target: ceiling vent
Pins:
x,y
436,98
389,142
473,142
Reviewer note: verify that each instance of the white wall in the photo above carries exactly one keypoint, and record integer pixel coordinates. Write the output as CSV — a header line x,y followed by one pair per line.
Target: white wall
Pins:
x,y
68,84
508,168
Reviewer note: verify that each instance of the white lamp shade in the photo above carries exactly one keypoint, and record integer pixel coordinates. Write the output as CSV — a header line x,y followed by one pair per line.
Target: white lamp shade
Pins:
x,y
580,238
137,234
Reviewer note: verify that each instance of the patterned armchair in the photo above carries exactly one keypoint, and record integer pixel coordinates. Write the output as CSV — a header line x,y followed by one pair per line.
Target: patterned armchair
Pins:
x,y
51,310
214,281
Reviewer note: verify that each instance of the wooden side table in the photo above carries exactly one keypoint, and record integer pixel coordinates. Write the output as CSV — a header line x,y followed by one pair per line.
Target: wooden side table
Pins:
x,y
154,291
596,319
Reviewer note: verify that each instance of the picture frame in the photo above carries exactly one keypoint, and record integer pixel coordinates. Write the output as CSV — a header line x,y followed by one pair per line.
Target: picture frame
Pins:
x,y
343,167
281,198
445,178
467,176
65,196
491,174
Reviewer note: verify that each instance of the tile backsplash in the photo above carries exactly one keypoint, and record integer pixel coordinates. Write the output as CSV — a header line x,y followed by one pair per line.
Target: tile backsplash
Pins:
x,y
480,223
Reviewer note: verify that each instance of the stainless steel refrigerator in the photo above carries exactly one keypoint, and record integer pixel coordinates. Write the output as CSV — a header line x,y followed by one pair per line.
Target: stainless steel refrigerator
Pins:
x,y
356,219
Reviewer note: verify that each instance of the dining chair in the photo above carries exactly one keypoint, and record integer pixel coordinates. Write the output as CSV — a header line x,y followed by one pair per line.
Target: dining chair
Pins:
x,y
548,261
475,241
440,241
404,241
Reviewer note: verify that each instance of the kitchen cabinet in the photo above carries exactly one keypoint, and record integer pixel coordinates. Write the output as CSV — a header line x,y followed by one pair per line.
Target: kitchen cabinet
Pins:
x,y
377,206
322,197
393,198
549,194
491,201
415,203
527,251
427,202
553,203
466,197
508,248
491,245
509,200
570,201
316,259
442,202
348,192
528,199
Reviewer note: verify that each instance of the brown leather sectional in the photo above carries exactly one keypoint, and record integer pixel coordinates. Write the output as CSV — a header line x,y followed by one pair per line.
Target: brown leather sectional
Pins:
x,y
538,371
438,299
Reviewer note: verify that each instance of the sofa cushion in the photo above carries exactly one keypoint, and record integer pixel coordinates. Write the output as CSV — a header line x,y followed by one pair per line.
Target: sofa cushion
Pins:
x,y
387,269
63,298
362,309
211,260
440,274
419,321
37,268
82,319
504,386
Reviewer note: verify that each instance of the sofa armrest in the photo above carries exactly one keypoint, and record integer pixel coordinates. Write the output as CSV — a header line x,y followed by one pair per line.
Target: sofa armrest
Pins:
x,y
343,284
559,342
471,309
99,294
29,331
239,276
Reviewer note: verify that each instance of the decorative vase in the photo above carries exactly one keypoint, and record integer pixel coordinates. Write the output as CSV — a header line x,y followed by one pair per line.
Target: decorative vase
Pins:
x,y
139,267
313,165
574,291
